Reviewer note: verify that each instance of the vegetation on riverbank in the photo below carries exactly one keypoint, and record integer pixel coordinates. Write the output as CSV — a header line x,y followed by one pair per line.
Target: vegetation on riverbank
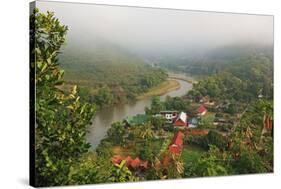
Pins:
x,y
162,88
183,77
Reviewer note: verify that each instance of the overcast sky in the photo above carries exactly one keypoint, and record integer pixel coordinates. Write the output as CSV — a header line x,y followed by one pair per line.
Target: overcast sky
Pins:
x,y
150,28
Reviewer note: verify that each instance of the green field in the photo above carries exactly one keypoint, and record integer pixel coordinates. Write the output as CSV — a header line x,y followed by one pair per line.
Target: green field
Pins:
x,y
191,153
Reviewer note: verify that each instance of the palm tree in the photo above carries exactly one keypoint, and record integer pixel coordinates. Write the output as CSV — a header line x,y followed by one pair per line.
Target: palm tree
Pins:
x,y
176,167
147,132
267,109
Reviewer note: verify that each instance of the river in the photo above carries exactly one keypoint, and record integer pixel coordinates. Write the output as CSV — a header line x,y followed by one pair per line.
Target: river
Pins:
x,y
103,119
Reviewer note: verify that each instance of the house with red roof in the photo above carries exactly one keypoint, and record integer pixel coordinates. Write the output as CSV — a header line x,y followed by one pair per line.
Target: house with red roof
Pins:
x,y
135,163
130,162
201,110
177,143
181,120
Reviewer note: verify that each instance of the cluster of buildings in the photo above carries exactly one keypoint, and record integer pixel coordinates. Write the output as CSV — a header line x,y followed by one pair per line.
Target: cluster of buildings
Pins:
x,y
180,119
175,118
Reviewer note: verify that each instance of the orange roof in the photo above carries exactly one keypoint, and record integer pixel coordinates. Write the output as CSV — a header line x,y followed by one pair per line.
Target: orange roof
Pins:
x,y
201,109
128,160
135,163
175,149
178,138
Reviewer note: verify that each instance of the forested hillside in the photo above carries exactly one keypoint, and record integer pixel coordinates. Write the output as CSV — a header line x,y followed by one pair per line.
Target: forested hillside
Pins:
x,y
242,76
202,63
105,72
231,57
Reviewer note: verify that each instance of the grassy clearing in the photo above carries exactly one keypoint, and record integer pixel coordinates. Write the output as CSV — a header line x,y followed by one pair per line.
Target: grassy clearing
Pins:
x,y
191,153
209,117
207,121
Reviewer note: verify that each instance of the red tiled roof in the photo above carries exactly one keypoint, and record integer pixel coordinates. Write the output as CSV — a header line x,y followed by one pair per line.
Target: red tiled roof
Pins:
x,y
176,145
130,162
180,123
135,163
178,138
201,109
175,149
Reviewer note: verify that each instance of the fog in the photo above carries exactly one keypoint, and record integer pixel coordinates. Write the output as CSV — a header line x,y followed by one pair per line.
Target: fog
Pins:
x,y
159,30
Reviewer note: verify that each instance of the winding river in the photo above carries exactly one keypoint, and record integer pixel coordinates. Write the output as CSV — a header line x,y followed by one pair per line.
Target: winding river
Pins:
x,y
106,116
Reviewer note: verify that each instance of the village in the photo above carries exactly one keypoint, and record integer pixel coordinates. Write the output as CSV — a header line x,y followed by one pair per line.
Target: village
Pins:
x,y
167,141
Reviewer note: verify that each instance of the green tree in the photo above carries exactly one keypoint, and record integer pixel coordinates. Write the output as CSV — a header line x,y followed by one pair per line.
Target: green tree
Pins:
x,y
61,119
210,164
249,161
146,132
156,106
116,132
103,97
158,122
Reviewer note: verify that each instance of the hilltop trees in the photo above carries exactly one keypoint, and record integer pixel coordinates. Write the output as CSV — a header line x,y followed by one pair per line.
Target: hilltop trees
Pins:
x,y
61,119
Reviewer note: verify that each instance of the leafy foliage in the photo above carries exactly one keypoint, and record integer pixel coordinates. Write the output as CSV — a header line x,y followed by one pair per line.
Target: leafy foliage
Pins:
x,y
116,132
61,119
121,173
156,106
209,164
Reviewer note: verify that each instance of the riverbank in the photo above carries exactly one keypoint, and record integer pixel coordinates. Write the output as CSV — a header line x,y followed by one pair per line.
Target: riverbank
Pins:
x,y
182,77
165,87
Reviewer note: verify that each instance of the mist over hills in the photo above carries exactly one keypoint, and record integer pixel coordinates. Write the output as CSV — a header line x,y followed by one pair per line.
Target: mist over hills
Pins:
x,y
159,32
126,48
